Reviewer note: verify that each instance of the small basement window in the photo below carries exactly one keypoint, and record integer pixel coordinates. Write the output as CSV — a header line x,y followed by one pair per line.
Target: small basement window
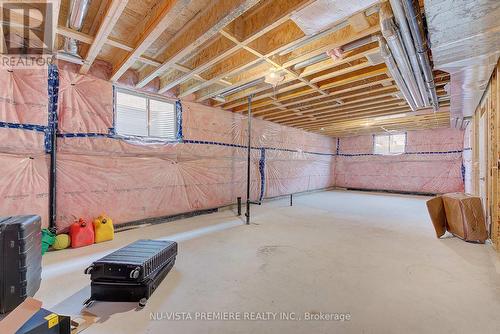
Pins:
x,y
141,115
388,144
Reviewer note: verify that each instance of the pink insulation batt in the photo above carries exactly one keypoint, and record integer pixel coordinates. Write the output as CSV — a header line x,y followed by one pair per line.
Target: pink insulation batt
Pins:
x,y
23,162
131,179
432,163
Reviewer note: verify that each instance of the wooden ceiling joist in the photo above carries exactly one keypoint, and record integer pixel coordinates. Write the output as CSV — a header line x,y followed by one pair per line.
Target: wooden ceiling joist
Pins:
x,y
159,21
216,16
376,109
332,99
363,74
301,93
220,52
255,24
113,13
54,19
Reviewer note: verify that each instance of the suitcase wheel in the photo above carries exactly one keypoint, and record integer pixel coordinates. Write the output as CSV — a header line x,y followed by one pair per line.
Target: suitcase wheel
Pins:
x,y
135,273
88,270
143,302
88,303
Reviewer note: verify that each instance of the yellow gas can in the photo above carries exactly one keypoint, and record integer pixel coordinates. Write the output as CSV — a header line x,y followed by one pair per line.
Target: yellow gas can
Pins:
x,y
104,229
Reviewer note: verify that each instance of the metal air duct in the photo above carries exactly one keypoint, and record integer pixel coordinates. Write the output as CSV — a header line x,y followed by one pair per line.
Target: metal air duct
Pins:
x,y
77,12
396,75
422,55
406,35
400,56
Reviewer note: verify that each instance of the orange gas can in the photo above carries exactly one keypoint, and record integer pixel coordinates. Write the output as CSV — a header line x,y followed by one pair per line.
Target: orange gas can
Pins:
x,y
82,234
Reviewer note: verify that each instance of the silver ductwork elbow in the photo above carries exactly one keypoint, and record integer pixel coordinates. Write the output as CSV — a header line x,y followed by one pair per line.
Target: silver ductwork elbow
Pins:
x,y
395,73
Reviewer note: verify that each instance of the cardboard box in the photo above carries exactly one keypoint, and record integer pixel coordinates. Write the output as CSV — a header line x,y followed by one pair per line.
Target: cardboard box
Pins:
x,y
460,214
435,207
46,322
30,318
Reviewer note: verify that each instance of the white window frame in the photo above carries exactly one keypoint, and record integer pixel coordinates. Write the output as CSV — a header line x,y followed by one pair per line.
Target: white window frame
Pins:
x,y
148,98
389,135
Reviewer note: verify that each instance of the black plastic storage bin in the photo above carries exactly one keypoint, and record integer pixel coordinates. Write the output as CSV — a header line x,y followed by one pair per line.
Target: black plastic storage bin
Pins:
x,y
20,260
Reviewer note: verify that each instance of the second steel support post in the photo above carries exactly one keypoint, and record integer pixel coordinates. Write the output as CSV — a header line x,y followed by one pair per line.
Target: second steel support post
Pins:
x,y
247,214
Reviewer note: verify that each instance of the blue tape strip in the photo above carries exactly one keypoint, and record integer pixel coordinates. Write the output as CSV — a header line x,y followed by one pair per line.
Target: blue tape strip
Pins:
x,y
178,110
262,172
53,92
84,135
208,142
406,153
30,127
463,172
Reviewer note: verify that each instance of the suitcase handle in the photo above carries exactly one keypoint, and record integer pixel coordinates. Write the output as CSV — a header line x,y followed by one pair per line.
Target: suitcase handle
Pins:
x,y
88,270
134,274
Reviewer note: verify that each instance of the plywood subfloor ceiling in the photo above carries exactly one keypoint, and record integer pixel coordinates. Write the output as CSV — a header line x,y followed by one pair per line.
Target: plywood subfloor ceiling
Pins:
x,y
201,50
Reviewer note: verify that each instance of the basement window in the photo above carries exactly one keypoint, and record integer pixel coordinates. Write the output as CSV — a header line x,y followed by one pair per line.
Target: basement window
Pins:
x,y
141,115
389,144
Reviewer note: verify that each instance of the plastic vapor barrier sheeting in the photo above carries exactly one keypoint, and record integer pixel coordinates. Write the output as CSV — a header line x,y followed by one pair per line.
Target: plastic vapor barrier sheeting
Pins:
x,y
134,178
432,163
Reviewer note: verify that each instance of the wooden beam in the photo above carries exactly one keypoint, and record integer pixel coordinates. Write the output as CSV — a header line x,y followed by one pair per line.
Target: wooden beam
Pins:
x,y
246,28
309,103
157,25
56,7
79,36
372,72
149,61
359,22
195,33
376,107
339,93
3,44
113,13
238,62
335,37
382,101
329,112
368,126
118,44
281,37
236,100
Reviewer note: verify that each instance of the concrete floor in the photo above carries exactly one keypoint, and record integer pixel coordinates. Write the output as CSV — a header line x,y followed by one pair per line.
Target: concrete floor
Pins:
x,y
372,256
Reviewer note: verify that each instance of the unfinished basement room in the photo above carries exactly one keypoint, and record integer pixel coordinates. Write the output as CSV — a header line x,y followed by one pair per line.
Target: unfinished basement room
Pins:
x,y
249,166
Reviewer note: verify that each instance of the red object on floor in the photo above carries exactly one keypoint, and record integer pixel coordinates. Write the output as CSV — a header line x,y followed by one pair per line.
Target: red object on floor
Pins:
x,y
81,233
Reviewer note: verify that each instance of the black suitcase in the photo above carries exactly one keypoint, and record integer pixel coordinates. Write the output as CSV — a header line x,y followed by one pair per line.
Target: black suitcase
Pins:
x,y
122,291
20,260
135,262
131,273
